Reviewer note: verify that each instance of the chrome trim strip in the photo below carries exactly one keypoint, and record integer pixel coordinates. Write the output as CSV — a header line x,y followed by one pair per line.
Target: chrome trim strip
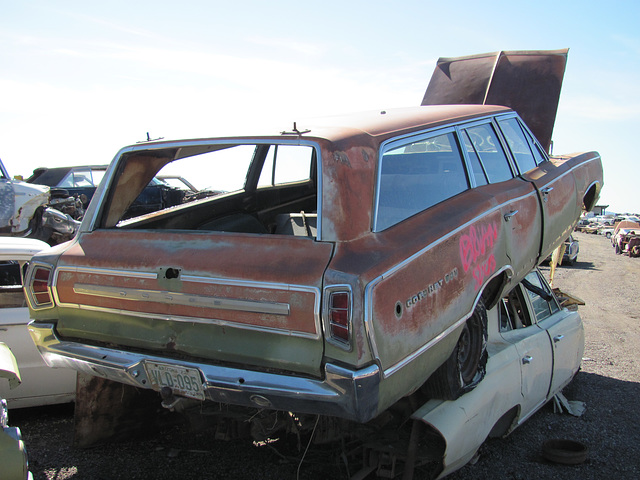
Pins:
x,y
176,298
350,394
204,280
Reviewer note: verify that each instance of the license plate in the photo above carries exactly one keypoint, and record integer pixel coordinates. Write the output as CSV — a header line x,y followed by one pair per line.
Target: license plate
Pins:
x,y
182,381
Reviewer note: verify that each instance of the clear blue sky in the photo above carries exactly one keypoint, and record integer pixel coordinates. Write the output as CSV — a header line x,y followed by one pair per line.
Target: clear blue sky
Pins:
x,y
79,80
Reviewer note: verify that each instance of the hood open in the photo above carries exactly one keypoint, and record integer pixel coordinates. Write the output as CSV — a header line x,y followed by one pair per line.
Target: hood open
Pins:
x,y
528,82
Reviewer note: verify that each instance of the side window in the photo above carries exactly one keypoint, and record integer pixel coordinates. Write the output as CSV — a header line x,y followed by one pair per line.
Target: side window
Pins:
x,y
542,300
11,294
537,150
478,171
513,311
77,178
416,176
486,144
518,144
286,164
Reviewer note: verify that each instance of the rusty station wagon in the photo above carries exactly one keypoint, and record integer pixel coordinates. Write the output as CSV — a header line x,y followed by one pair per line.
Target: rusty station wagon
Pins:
x,y
349,262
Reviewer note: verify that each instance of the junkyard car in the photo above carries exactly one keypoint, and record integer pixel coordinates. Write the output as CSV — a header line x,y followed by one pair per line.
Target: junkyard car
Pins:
x,y
26,211
571,250
41,385
81,182
351,260
535,348
14,463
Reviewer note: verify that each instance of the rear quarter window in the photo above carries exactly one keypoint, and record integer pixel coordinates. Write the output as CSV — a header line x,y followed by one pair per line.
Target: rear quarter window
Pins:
x,y
417,175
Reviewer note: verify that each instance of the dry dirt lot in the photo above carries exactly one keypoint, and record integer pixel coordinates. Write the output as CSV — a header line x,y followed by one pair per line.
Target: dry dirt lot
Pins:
x,y
609,384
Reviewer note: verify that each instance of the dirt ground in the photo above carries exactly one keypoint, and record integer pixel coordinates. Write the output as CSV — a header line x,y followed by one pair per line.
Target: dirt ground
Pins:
x,y
609,384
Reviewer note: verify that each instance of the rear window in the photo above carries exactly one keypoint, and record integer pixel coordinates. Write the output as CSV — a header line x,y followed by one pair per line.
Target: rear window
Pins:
x,y
240,188
417,175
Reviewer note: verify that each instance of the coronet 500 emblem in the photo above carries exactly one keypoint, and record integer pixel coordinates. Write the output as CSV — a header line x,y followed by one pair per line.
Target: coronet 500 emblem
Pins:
x,y
432,288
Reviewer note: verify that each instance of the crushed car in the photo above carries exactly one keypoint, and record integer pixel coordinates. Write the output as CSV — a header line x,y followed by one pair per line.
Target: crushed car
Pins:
x,y
350,262
41,385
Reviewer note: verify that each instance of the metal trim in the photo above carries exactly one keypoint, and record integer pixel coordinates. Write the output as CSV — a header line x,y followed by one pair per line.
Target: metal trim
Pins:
x,y
177,298
197,279
350,394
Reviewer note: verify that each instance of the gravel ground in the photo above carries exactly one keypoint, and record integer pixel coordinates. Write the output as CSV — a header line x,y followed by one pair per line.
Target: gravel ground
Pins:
x,y
608,383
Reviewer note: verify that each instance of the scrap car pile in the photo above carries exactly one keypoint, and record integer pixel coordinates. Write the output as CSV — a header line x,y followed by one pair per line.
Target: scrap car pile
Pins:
x,y
373,272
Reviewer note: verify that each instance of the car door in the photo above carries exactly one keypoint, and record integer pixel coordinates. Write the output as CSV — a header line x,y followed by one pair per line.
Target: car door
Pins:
x,y
533,347
519,205
563,328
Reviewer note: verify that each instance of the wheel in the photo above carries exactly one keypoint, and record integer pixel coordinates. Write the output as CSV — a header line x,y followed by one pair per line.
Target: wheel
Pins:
x,y
466,366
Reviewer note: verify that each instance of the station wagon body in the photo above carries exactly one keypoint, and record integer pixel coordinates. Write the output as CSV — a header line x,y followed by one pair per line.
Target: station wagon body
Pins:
x,y
336,273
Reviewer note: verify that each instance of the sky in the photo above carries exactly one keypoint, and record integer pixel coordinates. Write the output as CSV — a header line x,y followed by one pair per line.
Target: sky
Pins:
x,y
79,80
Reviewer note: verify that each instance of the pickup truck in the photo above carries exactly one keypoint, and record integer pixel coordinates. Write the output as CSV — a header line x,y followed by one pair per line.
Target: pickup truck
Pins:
x,y
345,263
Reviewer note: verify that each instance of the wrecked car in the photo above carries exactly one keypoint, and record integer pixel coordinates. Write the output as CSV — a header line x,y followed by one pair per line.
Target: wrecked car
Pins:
x,y
13,453
349,263
26,210
535,349
81,182
315,273
41,385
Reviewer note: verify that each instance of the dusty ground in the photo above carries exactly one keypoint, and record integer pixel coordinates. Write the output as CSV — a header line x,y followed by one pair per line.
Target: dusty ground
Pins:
x,y
609,383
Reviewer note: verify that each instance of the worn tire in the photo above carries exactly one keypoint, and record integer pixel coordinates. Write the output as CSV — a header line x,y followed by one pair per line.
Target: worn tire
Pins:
x,y
466,366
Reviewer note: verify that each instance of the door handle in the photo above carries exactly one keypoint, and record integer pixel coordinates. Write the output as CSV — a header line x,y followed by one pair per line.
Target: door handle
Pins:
x,y
527,359
507,216
557,338
545,191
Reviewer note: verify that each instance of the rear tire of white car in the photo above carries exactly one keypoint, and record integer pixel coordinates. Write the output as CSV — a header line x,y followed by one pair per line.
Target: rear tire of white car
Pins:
x,y
466,366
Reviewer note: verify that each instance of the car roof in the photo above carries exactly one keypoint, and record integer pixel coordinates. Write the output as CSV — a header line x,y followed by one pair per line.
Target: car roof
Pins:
x,y
379,125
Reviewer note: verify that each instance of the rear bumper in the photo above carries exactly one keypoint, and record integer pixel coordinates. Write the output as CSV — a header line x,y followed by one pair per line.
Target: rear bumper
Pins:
x,y
342,393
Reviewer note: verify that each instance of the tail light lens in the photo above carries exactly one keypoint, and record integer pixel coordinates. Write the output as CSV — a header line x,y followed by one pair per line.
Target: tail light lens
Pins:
x,y
39,291
338,315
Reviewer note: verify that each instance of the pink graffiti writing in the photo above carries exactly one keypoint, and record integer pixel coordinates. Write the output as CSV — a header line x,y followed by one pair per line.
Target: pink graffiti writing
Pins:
x,y
476,251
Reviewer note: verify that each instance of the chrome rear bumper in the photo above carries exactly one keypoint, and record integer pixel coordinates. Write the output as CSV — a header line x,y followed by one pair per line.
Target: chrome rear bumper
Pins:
x,y
342,393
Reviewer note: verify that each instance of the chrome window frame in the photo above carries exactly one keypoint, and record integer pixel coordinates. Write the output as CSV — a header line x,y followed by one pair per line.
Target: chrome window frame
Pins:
x,y
404,140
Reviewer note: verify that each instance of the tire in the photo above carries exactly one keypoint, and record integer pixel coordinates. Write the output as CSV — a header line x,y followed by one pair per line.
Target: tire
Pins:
x,y
466,366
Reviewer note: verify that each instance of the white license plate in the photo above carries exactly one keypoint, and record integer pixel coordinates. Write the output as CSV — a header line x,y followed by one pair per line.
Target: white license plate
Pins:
x,y
182,381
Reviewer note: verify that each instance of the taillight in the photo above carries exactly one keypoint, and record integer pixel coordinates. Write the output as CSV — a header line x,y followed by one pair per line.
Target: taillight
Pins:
x,y
40,293
338,315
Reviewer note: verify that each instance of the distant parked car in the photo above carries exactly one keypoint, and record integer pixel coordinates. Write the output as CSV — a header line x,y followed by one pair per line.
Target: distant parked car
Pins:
x,y
570,256
41,385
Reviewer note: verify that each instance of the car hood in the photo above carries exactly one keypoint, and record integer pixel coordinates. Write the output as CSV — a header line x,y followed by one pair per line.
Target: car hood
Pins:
x,y
9,366
528,82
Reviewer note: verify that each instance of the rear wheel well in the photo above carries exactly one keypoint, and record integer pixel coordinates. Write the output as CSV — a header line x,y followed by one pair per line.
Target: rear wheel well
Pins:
x,y
589,200
492,291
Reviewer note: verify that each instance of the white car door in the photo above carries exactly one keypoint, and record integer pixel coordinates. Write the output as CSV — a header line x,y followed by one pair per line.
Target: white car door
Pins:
x,y
564,330
534,350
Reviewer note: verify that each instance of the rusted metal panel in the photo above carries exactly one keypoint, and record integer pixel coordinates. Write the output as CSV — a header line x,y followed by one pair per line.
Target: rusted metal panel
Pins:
x,y
529,82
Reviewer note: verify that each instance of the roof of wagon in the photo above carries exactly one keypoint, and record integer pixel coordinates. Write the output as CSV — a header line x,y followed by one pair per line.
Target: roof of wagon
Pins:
x,y
383,124
378,125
